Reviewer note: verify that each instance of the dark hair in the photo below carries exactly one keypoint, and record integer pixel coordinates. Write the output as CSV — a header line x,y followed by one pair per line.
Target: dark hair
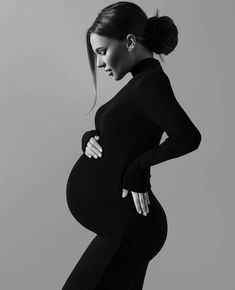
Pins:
x,y
158,34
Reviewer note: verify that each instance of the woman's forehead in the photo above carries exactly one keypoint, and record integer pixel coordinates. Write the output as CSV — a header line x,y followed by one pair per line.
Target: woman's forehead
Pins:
x,y
98,40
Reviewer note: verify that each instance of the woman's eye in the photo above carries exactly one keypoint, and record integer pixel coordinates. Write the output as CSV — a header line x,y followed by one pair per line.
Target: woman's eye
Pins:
x,y
102,52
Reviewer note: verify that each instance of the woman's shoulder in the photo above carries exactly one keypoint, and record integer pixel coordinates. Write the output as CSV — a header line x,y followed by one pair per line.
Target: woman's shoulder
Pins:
x,y
153,89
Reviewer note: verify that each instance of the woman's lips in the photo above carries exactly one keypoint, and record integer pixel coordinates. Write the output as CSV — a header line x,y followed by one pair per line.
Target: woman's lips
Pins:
x,y
109,72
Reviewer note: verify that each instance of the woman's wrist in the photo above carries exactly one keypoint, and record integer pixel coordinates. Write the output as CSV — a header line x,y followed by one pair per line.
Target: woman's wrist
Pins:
x,y
136,179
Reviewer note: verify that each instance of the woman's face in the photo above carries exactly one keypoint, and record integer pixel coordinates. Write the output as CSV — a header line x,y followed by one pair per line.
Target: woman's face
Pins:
x,y
112,55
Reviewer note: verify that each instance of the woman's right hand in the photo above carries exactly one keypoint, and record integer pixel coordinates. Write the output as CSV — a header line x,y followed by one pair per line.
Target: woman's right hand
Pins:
x,y
93,148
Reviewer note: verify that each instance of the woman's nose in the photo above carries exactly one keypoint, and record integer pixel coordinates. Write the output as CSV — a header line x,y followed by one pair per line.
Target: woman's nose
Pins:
x,y
99,63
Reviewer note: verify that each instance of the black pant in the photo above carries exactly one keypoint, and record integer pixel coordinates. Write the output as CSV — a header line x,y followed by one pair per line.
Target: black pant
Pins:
x,y
110,263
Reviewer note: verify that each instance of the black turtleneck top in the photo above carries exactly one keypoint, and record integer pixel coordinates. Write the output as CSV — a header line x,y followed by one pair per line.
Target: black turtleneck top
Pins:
x,y
131,124
146,64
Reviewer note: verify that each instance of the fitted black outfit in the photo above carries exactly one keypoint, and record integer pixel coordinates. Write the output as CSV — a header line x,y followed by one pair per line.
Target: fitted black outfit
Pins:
x,y
130,126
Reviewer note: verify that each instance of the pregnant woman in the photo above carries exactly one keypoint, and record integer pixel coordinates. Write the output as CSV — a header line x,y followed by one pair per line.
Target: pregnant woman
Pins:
x,y
109,190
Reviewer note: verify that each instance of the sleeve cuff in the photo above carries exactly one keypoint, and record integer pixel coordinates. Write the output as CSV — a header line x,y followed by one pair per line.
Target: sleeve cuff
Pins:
x,y
136,179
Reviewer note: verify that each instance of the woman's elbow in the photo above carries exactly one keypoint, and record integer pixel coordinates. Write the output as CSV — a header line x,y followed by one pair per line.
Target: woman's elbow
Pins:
x,y
195,140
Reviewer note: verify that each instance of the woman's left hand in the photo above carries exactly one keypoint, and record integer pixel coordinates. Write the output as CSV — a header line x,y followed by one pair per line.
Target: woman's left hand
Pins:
x,y
141,200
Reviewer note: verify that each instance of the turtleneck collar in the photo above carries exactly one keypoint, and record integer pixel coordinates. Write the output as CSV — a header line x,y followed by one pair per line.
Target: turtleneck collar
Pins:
x,y
146,64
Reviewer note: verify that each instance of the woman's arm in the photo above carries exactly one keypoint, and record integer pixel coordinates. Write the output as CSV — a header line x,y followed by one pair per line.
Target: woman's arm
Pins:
x,y
160,105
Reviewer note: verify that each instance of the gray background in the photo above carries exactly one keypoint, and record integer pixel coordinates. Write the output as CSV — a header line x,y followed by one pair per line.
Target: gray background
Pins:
x,y
46,89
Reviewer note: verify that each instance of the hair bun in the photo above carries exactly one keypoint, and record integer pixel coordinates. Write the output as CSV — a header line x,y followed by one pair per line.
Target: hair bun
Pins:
x,y
161,34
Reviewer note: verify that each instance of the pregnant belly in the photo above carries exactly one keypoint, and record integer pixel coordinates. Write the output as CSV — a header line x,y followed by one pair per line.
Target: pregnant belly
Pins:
x,y
90,175
92,188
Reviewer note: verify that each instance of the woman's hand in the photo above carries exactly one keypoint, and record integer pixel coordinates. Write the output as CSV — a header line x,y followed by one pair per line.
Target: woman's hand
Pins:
x,y
141,200
93,148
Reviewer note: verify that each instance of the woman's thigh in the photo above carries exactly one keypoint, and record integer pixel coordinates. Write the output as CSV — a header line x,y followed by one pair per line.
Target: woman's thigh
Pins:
x,y
127,267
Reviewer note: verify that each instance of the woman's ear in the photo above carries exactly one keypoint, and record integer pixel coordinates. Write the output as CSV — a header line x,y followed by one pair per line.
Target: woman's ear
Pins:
x,y
130,39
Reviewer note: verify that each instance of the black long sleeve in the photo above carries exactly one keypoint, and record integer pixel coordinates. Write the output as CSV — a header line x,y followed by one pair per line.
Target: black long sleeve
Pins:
x,y
160,105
